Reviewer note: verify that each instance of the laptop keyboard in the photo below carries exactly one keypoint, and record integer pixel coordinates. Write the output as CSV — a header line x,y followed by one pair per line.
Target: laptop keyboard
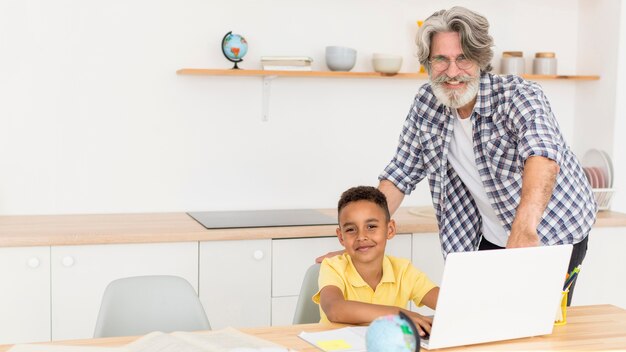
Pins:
x,y
424,341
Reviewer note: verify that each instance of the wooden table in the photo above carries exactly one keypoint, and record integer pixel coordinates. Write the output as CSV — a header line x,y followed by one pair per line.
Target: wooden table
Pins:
x,y
588,328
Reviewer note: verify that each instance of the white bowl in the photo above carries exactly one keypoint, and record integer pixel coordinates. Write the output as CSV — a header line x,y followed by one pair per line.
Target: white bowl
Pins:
x,y
386,63
340,58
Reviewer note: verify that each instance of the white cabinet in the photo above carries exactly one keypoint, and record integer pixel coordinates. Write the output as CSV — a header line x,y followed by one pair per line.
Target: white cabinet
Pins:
x,y
290,260
601,278
235,279
292,257
283,309
25,294
81,273
400,246
427,258
56,291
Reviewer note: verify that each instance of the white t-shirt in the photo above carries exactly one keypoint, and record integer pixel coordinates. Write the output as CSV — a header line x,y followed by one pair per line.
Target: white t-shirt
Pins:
x,y
462,159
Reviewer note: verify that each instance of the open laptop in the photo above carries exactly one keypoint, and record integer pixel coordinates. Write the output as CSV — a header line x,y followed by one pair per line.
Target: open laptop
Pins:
x,y
498,295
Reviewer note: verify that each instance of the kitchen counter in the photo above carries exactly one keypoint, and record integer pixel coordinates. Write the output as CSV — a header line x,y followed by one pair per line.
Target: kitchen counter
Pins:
x,y
55,267
57,230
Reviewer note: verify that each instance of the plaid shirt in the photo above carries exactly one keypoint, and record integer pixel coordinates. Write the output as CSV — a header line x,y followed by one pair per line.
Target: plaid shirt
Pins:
x,y
512,120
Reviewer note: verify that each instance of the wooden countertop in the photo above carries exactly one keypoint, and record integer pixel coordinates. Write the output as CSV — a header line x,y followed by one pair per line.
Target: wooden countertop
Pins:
x,y
588,328
58,230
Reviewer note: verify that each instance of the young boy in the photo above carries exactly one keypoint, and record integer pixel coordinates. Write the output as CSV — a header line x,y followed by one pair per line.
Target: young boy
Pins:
x,y
364,283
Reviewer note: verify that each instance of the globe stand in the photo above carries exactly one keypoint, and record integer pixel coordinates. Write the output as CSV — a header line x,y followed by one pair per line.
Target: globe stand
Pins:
x,y
413,330
235,67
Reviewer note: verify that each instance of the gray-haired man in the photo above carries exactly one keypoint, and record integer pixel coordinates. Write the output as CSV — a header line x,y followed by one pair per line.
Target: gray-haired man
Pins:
x,y
499,170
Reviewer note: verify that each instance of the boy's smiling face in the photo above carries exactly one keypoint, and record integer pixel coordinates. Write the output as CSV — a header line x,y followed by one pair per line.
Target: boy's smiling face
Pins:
x,y
364,231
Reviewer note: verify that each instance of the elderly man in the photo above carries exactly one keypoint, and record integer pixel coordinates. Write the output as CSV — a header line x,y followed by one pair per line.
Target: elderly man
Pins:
x,y
499,170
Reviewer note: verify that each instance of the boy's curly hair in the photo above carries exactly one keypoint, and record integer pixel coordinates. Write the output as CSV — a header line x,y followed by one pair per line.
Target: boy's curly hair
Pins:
x,y
368,193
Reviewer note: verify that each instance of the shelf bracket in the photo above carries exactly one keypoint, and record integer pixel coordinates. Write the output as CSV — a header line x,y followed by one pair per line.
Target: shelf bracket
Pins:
x,y
267,91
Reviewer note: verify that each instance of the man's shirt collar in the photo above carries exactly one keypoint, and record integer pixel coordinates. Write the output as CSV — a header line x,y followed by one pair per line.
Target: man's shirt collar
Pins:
x,y
484,103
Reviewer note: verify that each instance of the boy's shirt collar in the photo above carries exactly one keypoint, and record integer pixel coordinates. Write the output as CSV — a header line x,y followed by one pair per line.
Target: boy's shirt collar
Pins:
x,y
355,279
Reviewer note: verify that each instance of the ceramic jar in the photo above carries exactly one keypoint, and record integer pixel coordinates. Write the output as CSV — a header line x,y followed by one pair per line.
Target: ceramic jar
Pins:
x,y
544,64
512,63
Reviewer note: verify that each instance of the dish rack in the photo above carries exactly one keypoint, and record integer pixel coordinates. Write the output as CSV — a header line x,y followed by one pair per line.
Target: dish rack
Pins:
x,y
603,197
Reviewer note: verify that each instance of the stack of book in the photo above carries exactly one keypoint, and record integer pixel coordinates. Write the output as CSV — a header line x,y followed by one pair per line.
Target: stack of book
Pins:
x,y
286,63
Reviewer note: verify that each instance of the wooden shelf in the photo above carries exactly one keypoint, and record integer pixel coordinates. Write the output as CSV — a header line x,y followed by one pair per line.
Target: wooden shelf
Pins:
x,y
562,77
268,76
338,74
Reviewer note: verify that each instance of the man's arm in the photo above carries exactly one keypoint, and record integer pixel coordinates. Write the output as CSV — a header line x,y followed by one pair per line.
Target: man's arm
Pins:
x,y
393,194
339,310
538,180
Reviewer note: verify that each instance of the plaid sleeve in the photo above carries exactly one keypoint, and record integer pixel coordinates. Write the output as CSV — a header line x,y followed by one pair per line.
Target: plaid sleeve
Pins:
x,y
405,170
538,131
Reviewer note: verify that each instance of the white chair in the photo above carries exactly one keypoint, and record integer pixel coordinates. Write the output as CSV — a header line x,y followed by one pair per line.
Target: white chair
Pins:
x,y
141,304
306,310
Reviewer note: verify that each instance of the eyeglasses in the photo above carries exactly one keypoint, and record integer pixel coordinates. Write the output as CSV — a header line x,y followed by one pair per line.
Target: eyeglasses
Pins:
x,y
441,63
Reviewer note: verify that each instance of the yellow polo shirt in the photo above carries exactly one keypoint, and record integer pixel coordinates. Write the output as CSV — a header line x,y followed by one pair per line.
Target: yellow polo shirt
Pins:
x,y
401,283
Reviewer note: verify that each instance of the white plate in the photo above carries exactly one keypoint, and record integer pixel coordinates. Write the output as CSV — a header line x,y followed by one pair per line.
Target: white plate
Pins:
x,y
594,177
596,158
610,173
601,176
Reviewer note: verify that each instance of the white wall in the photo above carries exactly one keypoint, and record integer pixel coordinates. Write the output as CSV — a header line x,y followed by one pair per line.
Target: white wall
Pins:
x,y
597,52
94,118
619,132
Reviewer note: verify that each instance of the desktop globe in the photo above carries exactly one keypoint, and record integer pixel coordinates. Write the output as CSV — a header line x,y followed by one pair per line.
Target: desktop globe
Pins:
x,y
392,333
234,47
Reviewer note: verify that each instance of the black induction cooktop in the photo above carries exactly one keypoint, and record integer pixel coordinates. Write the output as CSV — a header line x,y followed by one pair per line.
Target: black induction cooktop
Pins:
x,y
261,218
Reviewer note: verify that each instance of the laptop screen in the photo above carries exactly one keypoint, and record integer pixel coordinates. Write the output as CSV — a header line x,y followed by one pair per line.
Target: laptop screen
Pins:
x,y
499,295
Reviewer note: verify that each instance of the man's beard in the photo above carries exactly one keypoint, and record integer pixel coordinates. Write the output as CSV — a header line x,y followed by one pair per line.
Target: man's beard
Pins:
x,y
451,97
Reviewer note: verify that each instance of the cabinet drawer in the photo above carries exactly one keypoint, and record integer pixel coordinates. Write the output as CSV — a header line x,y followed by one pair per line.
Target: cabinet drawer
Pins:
x,y
283,309
600,279
25,294
235,282
427,258
81,273
292,257
427,255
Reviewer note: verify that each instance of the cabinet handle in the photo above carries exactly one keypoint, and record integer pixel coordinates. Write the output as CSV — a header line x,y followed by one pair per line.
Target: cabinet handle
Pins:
x,y
67,261
258,254
33,262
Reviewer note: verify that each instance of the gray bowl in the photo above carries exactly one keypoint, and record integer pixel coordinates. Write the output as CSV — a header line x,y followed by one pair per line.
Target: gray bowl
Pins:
x,y
340,58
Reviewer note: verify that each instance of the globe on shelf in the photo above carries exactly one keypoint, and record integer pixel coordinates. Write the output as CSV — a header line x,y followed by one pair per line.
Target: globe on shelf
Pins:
x,y
392,333
234,48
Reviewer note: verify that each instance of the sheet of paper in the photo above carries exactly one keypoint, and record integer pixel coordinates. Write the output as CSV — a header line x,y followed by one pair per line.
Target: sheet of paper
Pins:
x,y
161,342
349,339
226,339
63,348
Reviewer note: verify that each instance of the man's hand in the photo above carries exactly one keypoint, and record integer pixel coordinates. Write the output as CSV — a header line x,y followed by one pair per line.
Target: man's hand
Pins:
x,y
523,238
328,255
